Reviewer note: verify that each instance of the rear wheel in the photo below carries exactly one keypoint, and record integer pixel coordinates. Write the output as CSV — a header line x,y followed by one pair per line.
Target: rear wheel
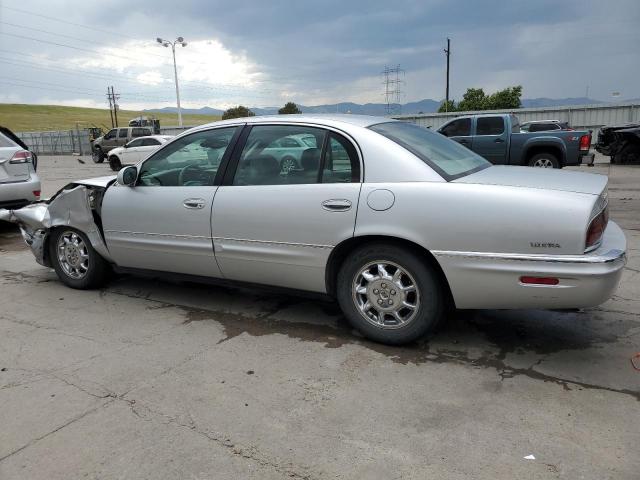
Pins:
x,y
390,294
97,155
114,163
75,261
287,164
629,154
544,160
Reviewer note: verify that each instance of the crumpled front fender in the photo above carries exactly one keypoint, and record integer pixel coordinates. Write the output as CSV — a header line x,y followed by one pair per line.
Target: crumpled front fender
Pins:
x,y
72,208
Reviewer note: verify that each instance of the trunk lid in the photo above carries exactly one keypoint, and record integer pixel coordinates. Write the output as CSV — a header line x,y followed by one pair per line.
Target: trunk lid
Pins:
x,y
541,178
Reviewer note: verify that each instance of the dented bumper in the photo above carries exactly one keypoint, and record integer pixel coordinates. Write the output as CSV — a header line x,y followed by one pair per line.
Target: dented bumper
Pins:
x,y
76,206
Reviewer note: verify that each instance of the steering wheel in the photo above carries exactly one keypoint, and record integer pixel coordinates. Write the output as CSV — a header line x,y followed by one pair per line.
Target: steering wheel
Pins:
x,y
193,173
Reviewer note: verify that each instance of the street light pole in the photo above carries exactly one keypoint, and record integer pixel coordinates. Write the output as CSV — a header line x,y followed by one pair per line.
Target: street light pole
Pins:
x,y
166,43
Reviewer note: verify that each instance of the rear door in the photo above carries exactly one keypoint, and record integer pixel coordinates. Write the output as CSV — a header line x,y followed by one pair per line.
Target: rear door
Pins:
x,y
459,130
490,139
278,227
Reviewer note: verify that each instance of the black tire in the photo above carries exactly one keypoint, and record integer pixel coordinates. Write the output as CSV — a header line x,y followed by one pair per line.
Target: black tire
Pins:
x,y
97,155
97,270
430,308
630,154
34,161
545,158
114,163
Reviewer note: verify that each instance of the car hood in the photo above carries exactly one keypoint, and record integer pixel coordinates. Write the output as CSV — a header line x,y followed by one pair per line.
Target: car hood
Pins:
x,y
97,182
542,178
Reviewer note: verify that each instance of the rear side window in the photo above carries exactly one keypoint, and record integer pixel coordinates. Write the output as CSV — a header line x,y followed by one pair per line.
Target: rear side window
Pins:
x,y
340,163
123,133
458,128
140,132
490,126
5,142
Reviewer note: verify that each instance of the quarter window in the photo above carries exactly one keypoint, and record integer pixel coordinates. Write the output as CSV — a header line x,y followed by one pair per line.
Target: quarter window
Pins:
x,y
262,162
192,160
457,128
490,126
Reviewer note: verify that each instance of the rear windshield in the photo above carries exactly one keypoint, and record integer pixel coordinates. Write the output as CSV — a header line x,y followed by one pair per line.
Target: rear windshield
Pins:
x,y
6,142
450,159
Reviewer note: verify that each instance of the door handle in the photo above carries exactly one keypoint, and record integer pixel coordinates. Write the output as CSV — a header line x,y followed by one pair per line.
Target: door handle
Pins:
x,y
499,140
194,203
337,205
463,141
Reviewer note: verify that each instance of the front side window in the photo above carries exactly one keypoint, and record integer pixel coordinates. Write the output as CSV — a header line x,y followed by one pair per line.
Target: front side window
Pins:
x,y
448,158
123,133
192,160
148,142
457,128
261,163
135,143
111,134
490,126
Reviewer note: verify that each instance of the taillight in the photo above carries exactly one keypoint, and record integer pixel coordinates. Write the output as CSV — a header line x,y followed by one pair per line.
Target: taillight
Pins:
x,y
585,142
36,193
596,228
21,156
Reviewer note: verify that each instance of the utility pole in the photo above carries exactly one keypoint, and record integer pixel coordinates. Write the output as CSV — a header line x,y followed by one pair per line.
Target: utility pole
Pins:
x,y
114,99
110,107
447,51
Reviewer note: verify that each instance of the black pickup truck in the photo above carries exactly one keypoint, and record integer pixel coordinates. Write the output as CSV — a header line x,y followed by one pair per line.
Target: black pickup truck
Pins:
x,y
498,138
621,143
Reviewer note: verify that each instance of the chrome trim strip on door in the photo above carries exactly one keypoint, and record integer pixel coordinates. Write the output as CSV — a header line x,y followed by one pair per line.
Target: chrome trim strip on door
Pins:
x,y
608,257
242,240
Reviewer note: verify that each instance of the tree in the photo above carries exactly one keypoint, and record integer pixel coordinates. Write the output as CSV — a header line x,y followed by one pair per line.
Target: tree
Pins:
x,y
450,107
289,108
475,99
507,98
237,112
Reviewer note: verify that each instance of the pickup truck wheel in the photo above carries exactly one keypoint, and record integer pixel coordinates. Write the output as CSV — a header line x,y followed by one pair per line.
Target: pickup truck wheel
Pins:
x,y
114,163
97,155
75,261
544,160
390,294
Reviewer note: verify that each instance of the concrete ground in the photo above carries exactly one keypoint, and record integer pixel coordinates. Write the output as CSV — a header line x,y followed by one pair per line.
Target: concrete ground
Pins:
x,y
153,379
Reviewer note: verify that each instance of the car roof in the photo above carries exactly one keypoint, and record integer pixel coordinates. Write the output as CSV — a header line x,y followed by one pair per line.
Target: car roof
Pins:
x,y
542,121
335,120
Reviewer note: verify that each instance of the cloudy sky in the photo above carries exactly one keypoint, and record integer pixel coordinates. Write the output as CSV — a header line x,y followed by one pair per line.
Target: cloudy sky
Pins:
x,y
266,52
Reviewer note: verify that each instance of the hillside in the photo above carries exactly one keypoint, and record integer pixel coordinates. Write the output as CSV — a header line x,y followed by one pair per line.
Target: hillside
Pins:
x,y
22,118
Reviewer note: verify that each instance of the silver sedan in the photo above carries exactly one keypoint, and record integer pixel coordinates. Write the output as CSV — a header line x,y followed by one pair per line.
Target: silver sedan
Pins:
x,y
397,222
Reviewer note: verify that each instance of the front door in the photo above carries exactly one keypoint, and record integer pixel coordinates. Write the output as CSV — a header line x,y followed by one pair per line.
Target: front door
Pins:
x,y
163,223
459,130
131,153
490,140
278,226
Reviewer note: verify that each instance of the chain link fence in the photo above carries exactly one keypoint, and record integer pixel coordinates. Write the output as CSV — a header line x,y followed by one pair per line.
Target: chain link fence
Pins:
x,y
58,142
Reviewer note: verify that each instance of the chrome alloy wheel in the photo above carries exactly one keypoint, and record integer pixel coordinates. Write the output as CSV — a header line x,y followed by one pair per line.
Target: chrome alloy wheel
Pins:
x,y
73,254
543,163
386,295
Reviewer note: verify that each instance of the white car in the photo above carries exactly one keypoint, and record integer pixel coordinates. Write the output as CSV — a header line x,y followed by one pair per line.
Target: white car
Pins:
x,y
135,151
19,183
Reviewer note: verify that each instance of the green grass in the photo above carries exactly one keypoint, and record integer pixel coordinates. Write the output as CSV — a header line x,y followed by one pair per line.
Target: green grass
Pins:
x,y
25,118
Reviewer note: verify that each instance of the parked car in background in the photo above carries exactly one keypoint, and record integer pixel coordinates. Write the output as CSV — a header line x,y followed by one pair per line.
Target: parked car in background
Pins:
x,y
135,150
621,143
9,134
288,150
395,221
116,137
544,126
498,138
19,182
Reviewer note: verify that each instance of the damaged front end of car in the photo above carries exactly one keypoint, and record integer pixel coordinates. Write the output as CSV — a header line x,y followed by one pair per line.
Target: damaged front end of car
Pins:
x,y
77,205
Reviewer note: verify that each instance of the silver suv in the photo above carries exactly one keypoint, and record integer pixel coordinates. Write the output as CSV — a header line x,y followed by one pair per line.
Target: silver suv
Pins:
x,y
19,183
116,137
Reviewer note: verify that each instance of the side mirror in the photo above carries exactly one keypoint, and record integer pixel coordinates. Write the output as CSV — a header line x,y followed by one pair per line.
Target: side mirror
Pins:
x,y
128,176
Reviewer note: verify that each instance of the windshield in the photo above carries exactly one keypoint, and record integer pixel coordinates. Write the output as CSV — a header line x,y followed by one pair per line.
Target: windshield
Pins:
x,y
450,159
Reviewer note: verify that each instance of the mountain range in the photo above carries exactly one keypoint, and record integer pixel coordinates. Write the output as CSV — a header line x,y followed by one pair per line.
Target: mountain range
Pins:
x,y
422,106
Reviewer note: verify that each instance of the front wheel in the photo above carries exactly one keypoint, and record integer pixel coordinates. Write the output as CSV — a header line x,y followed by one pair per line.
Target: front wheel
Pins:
x,y
544,160
390,294
97,155
75,261
114,163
